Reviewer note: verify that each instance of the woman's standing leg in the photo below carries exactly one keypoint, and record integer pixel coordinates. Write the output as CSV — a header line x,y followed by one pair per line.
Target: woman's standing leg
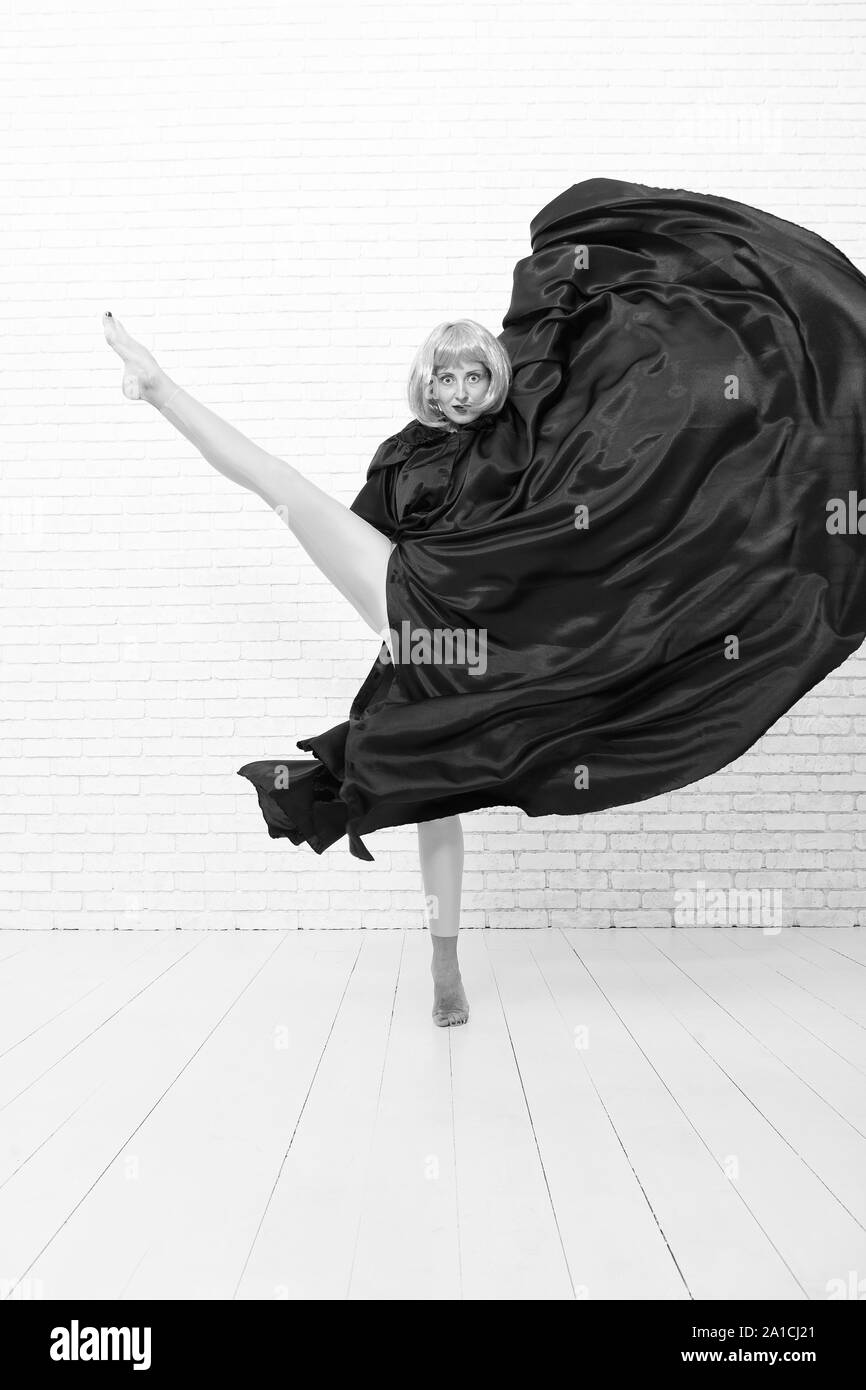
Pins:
x,y
440,846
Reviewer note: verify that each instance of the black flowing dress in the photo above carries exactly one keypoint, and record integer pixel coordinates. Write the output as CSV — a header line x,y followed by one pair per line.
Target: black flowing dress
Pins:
x,y
655,548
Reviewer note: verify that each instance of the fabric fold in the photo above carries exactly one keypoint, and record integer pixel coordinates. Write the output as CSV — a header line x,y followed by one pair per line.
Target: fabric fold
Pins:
x,y
652,551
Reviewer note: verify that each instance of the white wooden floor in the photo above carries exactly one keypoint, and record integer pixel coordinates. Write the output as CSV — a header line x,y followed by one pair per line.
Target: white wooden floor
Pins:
x,y
627,1115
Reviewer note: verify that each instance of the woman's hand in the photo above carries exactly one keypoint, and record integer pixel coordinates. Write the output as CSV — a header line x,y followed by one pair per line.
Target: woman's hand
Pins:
x,y
143,378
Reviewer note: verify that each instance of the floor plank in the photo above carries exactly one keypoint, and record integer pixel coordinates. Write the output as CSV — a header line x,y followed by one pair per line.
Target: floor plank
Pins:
x,y
407,1244
823,972
510,1242
760,976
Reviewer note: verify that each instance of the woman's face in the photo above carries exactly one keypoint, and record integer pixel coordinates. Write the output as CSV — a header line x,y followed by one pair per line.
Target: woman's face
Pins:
x,y
460,389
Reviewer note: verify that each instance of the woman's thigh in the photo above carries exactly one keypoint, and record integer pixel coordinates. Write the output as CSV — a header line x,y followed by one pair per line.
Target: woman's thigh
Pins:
x,y
350,552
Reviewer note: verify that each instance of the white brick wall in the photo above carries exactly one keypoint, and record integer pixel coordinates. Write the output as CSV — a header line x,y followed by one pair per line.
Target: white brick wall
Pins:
x,y
282,199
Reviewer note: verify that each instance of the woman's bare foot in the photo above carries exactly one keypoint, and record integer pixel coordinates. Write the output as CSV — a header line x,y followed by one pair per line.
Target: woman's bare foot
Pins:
x,y
450,1005
143,378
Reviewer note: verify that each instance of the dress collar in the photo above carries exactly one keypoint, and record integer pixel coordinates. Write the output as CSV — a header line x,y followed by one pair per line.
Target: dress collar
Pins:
x,y
416,433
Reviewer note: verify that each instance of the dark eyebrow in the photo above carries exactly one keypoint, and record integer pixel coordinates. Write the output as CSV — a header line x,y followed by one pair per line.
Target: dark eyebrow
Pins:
x,y
442,371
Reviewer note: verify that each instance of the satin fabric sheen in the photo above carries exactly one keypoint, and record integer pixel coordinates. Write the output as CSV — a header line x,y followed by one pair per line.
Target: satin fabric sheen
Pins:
x,y
695,380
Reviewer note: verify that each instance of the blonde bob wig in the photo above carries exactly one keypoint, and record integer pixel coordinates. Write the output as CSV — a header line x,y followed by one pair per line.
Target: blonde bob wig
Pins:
x,y
449,343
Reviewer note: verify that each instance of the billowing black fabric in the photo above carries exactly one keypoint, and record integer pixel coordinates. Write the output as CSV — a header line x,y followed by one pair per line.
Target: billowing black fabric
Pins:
x,y
645,533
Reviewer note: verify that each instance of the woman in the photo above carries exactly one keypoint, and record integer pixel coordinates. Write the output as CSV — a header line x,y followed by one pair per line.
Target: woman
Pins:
x,y
634,517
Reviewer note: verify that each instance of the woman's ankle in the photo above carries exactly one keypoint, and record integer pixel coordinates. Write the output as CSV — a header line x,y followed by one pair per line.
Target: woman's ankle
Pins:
x,y
444,946
162,391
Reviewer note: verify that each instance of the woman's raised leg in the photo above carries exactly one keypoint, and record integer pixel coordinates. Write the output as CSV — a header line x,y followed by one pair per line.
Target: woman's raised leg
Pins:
x,y
350,552
440,847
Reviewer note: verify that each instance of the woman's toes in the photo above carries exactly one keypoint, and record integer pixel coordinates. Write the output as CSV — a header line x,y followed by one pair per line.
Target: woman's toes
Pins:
x,y
450,1019
117,336
111,329
141,370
